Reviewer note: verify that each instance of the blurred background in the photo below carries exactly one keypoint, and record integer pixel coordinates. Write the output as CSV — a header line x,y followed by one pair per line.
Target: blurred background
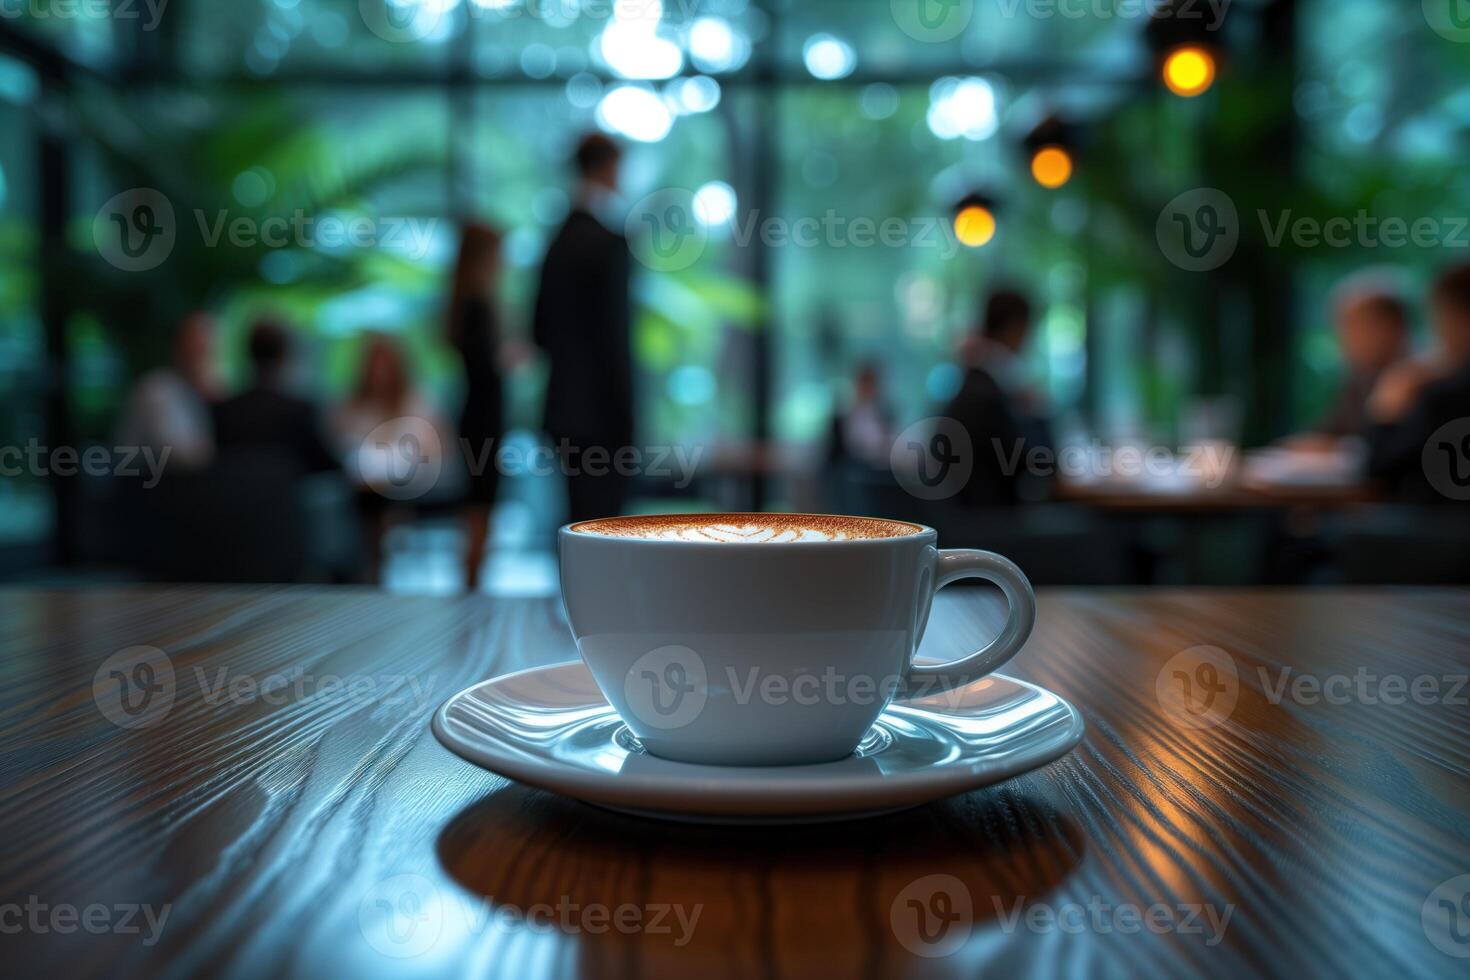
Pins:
x,y
876,254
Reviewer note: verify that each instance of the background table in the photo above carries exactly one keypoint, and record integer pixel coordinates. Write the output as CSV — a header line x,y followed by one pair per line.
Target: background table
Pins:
x,y
299,837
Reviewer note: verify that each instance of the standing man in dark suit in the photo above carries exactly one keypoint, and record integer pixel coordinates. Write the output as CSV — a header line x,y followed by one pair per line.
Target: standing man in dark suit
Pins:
x,y
582,321
997,410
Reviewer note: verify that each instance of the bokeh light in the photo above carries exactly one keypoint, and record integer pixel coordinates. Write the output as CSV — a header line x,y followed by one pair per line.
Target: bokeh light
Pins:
x,y
635,112
1189,71
974,226
963,107
714,203
715,46
1051,166
828,57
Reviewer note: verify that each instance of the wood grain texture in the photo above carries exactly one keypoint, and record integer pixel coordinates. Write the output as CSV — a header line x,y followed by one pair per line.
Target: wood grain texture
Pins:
x,y
271,828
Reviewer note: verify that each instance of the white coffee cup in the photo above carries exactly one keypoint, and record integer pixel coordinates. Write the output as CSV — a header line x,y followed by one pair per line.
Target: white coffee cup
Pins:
x,y
758,639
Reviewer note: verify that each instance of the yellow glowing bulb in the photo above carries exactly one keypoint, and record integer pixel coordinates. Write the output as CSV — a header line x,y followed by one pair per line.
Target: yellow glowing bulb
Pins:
x,y
974,226
1189,71
1051,166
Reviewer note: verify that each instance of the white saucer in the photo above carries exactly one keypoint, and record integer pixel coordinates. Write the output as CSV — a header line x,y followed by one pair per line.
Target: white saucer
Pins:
x,y
551,727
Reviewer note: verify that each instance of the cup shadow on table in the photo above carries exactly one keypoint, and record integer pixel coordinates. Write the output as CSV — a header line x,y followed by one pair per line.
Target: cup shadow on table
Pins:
x,y
779,897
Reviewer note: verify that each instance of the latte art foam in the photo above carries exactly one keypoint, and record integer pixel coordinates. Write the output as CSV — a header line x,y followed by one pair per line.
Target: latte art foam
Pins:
x,y
748,528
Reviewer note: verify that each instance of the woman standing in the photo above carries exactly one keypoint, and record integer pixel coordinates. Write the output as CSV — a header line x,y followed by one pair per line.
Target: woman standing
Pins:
x,y
474,332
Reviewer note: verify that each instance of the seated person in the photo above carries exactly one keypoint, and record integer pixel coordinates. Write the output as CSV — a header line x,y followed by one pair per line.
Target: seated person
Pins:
x,y
1000,413
1414,400
1372,324
169,407
863,433
266,416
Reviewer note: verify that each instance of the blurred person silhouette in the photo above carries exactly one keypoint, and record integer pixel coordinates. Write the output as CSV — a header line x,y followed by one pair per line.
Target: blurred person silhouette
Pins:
x,y
266,417
582,322
370,428
863,431
169,408
1004,418
1416,398
1371,319
474,332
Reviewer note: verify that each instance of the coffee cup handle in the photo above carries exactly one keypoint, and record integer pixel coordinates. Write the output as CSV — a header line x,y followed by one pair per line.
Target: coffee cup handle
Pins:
x,y
953,566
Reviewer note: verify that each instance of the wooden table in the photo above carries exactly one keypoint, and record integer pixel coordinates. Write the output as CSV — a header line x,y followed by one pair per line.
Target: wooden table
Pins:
x,y
311,828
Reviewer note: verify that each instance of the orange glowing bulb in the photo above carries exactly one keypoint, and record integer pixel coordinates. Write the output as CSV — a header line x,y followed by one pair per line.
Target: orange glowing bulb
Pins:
x,y
974,226
1189,71
1051,166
